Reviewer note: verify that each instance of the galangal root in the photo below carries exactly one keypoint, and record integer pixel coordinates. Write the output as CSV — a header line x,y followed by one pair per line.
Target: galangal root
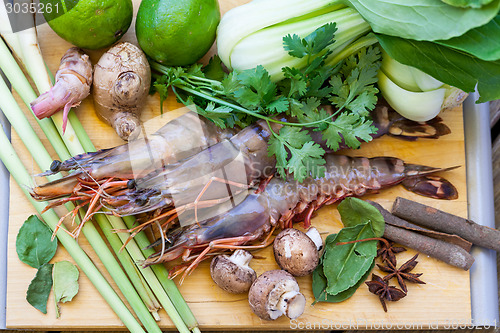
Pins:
x,y
122,78
73,81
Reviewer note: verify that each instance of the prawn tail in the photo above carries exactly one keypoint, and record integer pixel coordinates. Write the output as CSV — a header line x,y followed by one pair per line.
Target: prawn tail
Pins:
x,y
423,181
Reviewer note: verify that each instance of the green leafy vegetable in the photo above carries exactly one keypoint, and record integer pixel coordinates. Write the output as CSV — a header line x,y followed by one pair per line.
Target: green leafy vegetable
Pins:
x,y
467,3
344,267
65,282
39,288
355,211
482,42
453,67
319,284
424,19
34,245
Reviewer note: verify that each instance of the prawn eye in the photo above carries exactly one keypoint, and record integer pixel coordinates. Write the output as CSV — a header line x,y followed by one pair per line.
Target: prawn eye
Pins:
x,y
131,184
55,165
141,201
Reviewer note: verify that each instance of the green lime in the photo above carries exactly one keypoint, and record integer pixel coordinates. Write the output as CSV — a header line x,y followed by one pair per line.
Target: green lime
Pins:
x,y
94,24
177,32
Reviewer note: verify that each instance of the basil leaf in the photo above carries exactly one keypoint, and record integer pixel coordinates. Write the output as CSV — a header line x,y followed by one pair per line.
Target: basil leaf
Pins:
x,y
453,67
319,283
354,211
345,265
33,243
65,282
423,19
482,42
39,288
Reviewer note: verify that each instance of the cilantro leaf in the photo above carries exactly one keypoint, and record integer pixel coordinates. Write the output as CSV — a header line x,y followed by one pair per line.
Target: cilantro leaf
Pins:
x,y
306,161
312,44
279,105
352,86
306,157
213,70
255,87
349,128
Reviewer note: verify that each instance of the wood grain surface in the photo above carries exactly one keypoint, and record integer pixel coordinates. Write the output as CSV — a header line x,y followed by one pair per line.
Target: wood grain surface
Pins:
x,y
445,297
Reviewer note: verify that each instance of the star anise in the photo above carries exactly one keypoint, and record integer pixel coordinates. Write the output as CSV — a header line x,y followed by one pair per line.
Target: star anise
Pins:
x,y
402,273
381,288
388,251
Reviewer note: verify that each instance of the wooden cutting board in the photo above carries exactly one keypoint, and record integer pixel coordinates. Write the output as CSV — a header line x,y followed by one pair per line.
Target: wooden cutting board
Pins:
x,y
443,301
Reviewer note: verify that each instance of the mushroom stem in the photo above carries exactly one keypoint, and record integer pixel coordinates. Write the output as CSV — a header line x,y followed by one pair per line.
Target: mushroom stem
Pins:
x,y
313,233
292,304
241,258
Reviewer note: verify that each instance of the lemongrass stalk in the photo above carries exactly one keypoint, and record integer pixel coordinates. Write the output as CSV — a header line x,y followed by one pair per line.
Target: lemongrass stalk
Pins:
x,y
161,272
19,82
22,177
35,66
118,224
21,125
6,32
130,268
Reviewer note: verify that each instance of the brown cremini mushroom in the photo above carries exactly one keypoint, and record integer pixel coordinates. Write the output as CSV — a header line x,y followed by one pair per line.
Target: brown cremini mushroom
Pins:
x,y
232,273
295,252
276,293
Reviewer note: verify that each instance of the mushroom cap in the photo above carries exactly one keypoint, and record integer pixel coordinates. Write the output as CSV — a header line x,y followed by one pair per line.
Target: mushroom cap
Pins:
x,y
230,276
266,293
295,252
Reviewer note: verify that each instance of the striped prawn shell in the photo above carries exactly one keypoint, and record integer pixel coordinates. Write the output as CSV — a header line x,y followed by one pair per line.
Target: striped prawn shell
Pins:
x,y
344,176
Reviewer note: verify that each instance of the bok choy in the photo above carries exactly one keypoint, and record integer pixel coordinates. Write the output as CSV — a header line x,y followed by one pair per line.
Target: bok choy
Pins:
x,y
454,41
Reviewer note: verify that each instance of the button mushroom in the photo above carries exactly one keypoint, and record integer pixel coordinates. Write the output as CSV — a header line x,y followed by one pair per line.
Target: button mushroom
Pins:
x,y
232,273
275,293
295,252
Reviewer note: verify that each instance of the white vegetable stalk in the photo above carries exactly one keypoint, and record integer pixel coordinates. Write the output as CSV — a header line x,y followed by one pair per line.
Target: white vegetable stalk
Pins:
x,y
244,20
414,94
252,34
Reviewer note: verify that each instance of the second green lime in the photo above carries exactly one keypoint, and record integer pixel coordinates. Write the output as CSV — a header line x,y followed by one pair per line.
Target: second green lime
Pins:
x,y
177,32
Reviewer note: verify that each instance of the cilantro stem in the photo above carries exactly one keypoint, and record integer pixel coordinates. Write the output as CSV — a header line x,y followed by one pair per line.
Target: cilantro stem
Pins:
x,y
252,113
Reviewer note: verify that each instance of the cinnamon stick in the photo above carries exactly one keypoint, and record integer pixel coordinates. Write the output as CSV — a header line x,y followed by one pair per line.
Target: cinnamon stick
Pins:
x,y
436,219
449,253
398,222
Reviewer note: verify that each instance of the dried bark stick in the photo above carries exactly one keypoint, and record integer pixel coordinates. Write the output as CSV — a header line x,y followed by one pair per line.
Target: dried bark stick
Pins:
x,y
398,222
449,253
438,220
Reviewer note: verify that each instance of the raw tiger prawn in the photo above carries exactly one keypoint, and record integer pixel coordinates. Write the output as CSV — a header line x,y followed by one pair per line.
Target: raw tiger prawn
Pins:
x,y
109,177
284,201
